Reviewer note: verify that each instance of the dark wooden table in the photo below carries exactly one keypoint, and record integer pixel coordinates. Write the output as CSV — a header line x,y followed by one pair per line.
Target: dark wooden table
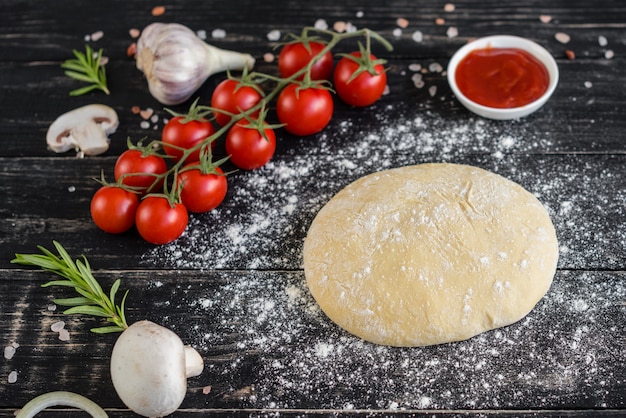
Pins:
x,y
233,286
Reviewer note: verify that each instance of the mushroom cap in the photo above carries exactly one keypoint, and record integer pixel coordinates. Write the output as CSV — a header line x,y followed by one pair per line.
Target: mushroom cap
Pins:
x,y
85,128
148,369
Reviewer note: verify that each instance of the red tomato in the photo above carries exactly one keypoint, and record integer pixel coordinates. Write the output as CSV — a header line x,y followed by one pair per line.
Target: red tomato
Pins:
x,y
295,56
185,135
113,209
247,147
233,97
158,222
365,88
304,111
202,192
138,169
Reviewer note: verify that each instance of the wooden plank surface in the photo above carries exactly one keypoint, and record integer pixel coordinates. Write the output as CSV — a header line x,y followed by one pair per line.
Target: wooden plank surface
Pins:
x,y
233,285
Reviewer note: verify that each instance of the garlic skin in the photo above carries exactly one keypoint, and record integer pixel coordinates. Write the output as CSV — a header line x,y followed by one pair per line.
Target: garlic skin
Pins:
x,y
176,62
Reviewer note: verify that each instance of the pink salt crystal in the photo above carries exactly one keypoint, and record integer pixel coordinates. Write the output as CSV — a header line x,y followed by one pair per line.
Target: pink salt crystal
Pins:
x,y
545,18
402,22
562,37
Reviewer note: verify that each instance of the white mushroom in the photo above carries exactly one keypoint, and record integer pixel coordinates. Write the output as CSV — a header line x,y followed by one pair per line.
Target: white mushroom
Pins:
x,y
149,369
84,129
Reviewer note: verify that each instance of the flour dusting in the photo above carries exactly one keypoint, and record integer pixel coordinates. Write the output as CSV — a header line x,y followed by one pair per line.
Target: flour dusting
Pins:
x,y
255,317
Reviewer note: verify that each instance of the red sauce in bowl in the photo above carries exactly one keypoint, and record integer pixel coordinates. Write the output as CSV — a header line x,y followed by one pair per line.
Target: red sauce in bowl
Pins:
x,y
502,77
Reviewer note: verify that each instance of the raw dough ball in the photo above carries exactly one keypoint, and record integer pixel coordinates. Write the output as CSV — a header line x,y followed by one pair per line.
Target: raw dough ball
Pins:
x,y
429,254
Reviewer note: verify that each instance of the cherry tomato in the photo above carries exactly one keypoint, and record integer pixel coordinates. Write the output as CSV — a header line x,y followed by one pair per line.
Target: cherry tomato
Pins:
x,y
365,88
186,135
233,97
247,147
202,192
158,222
295,56
304,111
113,209
133,162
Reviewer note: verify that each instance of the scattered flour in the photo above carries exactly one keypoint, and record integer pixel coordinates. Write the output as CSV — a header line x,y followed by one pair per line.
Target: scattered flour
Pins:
x,y
254,315
265,325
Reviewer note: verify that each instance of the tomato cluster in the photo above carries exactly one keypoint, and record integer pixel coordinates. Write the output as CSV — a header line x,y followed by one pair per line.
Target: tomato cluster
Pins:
x,y
159,184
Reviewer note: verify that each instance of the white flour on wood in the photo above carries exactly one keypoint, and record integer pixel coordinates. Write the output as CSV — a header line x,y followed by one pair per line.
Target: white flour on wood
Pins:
x,y
564,353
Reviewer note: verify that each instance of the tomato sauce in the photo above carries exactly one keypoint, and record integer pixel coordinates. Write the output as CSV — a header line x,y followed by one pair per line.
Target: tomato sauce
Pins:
x,y
501,77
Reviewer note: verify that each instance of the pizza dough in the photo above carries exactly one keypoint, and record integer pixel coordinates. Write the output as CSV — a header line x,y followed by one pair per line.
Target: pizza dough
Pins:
x,y
429,254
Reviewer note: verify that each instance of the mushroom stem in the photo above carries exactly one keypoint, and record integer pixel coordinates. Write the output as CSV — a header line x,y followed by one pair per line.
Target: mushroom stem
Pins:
x,y
194,364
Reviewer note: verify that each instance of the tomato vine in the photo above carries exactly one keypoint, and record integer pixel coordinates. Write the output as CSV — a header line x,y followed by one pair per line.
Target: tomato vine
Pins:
x,y
187,140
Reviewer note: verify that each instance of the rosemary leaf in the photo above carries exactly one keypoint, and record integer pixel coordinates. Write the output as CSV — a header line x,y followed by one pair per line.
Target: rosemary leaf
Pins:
x,y
93,300
87,67
87,310
83,90
60,283
77,301
106,330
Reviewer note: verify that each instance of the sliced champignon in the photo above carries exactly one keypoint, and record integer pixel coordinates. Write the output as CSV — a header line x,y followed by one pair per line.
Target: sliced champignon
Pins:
x,y
149,369
84,129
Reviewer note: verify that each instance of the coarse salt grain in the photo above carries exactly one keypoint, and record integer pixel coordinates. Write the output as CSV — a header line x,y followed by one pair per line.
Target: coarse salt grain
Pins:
x,y
57,326
452,32
96,36
218,33
134,33
158,11
201,33
449,7
340,26
9,352
602,41
12,378
562,37
609,54
545,18
273,35
320,24
435,67
131,50
146,113
269,57
402,22
397,32
64,335
417,36
418,81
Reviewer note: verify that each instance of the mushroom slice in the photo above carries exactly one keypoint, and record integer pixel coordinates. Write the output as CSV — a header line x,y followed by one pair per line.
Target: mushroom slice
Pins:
x,y
84,129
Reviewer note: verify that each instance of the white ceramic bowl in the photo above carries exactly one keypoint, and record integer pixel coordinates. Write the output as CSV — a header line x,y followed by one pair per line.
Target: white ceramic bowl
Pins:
x,y
504,41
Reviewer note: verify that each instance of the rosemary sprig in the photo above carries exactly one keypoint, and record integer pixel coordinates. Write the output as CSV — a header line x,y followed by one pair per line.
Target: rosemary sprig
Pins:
x,y
92,300
87,67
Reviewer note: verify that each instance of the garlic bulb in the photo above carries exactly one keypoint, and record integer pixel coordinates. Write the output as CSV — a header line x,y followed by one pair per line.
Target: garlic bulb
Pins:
x,y
176,62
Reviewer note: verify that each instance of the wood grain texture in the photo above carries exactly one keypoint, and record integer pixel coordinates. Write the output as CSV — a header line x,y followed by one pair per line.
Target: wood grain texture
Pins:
x,y
233,285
